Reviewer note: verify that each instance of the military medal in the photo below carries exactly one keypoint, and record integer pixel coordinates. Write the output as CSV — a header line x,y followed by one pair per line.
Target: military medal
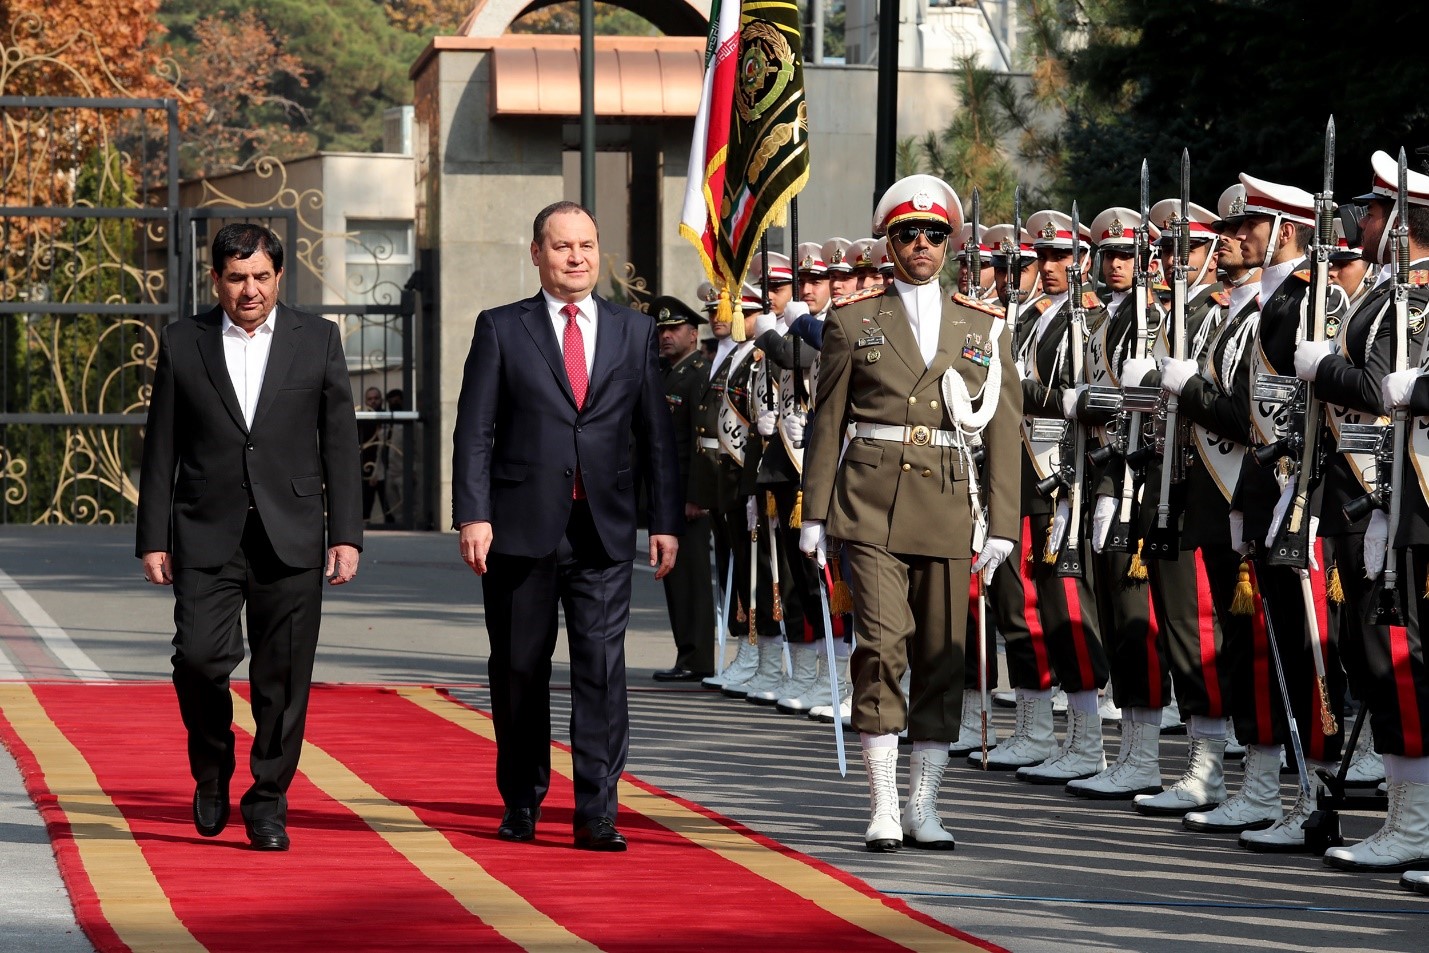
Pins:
x,y
977,350
874,355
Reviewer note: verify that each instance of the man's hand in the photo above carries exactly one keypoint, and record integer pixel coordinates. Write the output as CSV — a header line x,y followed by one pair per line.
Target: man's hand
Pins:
x,y
793,311
1395,388
1376,542
159,569
694,511
994,552
1236,521
751,513
766,321
794,428
1134,371
1061,518
1070,399
1101,519
1175,374
768,422
1308,355
341,564
814,541
475,544
662,554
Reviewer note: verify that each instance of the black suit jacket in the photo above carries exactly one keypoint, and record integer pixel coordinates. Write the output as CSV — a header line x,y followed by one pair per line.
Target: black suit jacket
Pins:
x,y
519,437
202,464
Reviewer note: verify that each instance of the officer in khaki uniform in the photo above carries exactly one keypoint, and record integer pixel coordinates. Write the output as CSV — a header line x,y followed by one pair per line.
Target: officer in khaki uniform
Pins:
x,y
898,367
689,594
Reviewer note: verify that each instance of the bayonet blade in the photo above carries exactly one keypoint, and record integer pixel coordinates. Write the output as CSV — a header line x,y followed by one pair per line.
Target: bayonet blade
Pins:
x,y
1145,193
975,248
1330,156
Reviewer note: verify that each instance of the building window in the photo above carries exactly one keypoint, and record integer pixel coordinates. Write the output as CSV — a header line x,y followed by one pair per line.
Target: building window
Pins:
x,y
379,262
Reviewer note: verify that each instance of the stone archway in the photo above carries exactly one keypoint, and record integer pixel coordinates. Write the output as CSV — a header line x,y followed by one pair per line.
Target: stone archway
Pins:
x,y
671,17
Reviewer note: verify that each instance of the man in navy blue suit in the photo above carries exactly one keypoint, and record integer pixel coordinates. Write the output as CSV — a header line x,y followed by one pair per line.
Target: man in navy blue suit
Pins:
x,y
562,412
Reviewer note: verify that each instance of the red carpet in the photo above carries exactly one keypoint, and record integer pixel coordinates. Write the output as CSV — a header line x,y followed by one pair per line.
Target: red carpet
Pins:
x,y
393,818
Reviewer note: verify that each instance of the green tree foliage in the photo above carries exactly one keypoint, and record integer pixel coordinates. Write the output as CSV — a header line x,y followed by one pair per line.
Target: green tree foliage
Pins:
x,y
610,20
1246,86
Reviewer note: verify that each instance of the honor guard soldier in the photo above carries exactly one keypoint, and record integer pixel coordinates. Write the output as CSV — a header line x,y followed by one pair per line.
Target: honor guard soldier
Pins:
x,y
899,367
1398,680
689,595
1135,642
863,255
836,255
984,278
1348,266
885,262
1070,647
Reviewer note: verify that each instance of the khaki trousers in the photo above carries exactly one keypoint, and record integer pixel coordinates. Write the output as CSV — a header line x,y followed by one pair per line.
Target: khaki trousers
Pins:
x,y
909,612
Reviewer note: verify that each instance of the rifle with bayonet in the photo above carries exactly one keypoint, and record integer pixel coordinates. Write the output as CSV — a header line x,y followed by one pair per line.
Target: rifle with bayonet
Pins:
x,y
1291,545
974,251
1014,270
1069,559
1164,541
1389,611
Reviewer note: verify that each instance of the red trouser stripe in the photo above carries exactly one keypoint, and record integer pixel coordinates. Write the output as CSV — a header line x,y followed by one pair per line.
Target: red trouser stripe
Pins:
x,y
1079,633
1260,665
1402,663
1153,655
1034,621
1206,630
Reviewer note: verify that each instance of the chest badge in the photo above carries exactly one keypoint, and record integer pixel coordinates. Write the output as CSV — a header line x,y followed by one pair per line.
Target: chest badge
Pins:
x,y
1332,327
873,356
977,350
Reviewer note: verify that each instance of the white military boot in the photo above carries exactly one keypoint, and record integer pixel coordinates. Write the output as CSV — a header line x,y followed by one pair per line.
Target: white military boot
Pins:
x,y
1107,709
803,669
1287,835
1171,723
1234,749
885,831
1366,766
1137,769
815,693
1416,880
1201,788
768,671
824,710
1255,805
746,660
1080,756
970,729
1032,741
1401,844
921,822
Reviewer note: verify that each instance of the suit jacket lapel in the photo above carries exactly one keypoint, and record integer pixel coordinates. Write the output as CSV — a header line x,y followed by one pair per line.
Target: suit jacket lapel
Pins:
x,y
893,319
287,333
210,348
610,333
538,325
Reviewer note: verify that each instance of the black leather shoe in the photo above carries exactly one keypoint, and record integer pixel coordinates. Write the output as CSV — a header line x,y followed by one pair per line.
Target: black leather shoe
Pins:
x,y
519,823
211,808
267,833
678,674
600,834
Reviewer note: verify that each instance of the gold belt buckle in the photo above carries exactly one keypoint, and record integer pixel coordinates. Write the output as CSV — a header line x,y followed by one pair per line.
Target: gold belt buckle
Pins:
x,y
921,436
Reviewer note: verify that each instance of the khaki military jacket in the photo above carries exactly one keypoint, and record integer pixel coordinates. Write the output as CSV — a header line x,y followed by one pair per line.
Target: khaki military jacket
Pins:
x,y
912,499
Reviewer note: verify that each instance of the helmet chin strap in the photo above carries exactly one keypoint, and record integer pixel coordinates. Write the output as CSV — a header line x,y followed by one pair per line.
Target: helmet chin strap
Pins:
x,y
1390,224
1272,246
1205,265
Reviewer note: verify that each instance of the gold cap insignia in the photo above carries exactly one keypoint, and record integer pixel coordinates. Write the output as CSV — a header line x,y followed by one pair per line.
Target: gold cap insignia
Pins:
x,y
1238,205
1049,231
1116,229
837,258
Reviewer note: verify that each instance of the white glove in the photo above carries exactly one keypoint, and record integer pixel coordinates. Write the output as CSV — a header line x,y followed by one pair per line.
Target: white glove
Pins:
x,y
1237,527
1101,520
814,542
994,552
1314,535
1376,539
1308,355
1175,374
1058,532
792,312
1069,401
768,422
751,514
794,428
1134,371
1396,388
765,322
1277,515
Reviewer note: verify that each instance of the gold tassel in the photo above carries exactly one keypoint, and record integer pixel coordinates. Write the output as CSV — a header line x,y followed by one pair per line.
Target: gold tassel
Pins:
x,y
1333,589
841,599
1244,601
1136,569
771,509
1050,557
796,515
727,312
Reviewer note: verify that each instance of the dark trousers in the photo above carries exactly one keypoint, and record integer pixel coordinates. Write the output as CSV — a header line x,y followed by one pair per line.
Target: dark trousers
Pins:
x,y
1181,591
1395,662
521,597
284,606
689,599
1067,611
1135,644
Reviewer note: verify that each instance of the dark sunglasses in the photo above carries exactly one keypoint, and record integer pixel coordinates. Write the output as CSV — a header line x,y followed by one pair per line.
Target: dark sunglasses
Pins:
x,y
908,234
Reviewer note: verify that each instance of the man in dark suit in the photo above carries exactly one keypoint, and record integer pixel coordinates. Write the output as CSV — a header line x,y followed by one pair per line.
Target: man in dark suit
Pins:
x,y
561,404
250,421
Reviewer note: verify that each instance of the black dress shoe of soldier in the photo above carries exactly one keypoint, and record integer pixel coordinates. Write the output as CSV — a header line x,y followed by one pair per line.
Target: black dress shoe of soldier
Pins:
x,y
678,674
211,807
600,834
519,823
267,833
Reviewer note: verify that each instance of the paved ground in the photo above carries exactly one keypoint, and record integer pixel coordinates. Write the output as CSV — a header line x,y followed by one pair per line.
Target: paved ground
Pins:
x,y
1034,870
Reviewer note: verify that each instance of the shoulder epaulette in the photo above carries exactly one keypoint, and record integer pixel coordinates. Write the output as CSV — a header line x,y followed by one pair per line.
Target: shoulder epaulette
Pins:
x,y
1222,298
1042,305
1303,274
857,296
1419,276
976,305
1090,300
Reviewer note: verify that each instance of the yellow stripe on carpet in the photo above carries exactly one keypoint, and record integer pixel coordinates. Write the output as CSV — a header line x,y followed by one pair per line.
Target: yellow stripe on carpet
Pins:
x,y
130,898
485,897
829,893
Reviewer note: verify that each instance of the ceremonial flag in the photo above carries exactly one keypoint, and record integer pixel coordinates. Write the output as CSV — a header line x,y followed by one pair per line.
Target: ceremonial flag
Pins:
x,y
750,154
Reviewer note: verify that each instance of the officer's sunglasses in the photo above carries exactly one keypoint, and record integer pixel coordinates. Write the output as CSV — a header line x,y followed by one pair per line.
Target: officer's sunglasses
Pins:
x,y
908,234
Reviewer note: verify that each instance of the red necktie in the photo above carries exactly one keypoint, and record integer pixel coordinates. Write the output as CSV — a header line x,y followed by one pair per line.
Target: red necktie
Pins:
x,y
573,346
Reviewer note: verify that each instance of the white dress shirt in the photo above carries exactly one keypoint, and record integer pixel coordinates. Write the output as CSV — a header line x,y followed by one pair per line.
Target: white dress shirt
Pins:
x,y
723,349
247,358
1273,277
924,304
585,321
